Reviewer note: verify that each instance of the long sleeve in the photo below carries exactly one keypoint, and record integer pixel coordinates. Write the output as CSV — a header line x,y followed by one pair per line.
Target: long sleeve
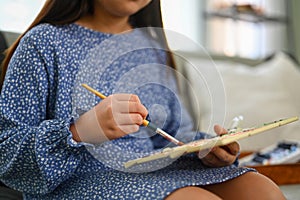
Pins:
x,y
37,153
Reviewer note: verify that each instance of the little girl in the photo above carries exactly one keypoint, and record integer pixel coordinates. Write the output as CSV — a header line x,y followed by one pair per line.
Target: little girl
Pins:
x,y
58,141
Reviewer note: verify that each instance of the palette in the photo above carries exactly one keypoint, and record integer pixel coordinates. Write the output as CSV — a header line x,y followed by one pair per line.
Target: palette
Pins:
x,y
205,144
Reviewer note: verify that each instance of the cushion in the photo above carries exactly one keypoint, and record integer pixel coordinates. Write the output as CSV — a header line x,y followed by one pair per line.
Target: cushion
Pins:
x,y
263,93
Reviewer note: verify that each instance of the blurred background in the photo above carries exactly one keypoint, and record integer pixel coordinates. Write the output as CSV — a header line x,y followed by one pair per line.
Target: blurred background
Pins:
x,y
244,28
249,32
252,68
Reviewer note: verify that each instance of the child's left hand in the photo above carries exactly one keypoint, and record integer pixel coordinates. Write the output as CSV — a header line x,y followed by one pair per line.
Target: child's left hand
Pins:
x,y
222,155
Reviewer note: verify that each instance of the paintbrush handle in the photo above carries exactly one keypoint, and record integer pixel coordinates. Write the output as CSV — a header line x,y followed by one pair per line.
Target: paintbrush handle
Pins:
x,y
99,94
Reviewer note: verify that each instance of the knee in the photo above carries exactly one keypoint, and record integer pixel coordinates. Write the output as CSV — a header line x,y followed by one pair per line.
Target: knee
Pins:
x,y
250,186
262,187
192,193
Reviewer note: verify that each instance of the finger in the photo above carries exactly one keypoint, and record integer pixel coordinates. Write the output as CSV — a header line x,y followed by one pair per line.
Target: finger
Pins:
x,y
223,156
232,148
219,130
128,119
211,160
130,107
128,103
127,129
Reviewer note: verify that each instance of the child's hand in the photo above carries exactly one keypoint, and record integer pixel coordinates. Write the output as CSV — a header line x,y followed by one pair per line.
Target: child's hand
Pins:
x,y
114,117
120,114
222,155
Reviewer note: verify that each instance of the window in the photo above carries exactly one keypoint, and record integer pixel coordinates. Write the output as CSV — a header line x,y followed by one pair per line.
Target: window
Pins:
x,y
17,15
237,28
183,17
246,28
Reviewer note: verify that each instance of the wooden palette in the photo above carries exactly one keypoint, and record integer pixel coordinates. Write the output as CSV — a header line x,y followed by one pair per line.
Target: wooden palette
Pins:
x,y
203,144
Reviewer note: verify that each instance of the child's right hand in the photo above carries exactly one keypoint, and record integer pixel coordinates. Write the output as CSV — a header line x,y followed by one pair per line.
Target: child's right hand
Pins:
x,y
114,117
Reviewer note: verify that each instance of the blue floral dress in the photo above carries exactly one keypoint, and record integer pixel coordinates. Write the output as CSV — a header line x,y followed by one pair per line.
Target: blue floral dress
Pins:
x,y
42,95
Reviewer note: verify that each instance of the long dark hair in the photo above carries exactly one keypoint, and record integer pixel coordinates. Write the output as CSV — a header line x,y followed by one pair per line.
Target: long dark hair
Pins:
x,y
59,12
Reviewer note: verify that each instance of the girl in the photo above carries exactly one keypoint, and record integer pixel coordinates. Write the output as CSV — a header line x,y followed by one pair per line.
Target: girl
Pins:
x,y
57,142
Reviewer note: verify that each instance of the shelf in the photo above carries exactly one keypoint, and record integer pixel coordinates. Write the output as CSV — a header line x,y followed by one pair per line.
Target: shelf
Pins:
x,y
246,12
245,17
281,174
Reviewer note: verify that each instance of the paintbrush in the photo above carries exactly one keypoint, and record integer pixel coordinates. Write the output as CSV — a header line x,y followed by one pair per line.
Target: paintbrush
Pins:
x,y
145,122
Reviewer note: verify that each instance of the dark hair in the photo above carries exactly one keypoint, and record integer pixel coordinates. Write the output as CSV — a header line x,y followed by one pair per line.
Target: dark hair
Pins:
x,y
59,12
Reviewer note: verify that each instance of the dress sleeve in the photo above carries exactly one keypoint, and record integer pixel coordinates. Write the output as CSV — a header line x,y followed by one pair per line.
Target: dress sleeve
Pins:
x,y
37,152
